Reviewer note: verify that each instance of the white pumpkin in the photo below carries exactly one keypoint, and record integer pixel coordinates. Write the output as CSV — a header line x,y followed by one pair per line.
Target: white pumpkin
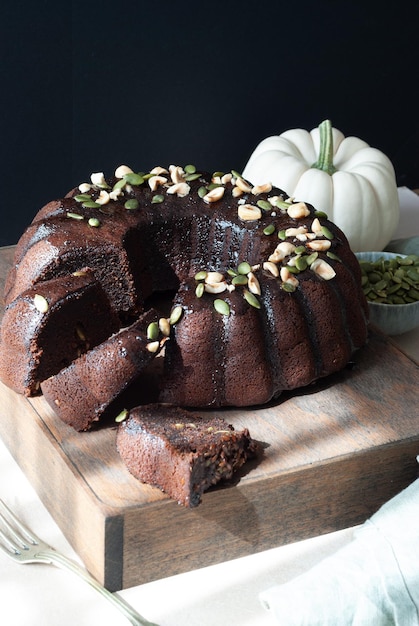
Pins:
x,y
354,184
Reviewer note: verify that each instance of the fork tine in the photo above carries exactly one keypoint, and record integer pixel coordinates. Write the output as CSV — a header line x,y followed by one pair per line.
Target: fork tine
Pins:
x,y
7,545
14,527
25,547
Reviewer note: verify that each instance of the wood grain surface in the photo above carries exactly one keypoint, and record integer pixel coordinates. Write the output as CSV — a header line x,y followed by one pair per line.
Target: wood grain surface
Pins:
x,y
332,454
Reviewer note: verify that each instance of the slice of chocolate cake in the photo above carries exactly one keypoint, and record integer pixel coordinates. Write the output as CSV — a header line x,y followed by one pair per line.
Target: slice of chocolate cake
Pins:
x,y
81,393
181,452
48,326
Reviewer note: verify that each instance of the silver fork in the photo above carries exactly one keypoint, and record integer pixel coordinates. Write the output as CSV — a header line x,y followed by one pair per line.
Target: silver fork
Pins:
x,y
23,546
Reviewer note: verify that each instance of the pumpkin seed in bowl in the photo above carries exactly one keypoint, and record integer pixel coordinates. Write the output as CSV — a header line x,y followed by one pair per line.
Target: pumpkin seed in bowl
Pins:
x,y
391,285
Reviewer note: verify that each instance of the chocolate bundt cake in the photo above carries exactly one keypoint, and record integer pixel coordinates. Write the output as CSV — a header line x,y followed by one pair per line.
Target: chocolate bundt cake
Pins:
x,y
80,394
181,452
49,325
266,291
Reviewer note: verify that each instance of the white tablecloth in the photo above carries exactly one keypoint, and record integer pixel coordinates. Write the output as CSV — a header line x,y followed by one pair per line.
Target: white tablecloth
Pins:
x,y
42,595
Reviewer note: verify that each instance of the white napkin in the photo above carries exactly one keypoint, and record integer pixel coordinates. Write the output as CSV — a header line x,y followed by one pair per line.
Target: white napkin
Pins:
x,y
373,581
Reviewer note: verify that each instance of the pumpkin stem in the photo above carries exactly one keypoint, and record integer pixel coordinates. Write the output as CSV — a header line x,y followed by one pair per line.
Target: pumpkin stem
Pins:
x,y
325,159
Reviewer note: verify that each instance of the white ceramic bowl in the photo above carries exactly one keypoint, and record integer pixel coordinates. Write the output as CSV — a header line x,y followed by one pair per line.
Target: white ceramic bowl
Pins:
x,y
391,319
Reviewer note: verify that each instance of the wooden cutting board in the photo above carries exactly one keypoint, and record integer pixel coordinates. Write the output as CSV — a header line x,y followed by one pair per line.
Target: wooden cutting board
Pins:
x,y
333,453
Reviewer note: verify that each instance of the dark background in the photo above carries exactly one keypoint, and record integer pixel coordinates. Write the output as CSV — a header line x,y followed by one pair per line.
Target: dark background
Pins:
x,y
86,86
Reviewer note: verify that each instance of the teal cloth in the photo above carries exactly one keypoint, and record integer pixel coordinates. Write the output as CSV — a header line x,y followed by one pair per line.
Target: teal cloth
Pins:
x,y
410,245
373,581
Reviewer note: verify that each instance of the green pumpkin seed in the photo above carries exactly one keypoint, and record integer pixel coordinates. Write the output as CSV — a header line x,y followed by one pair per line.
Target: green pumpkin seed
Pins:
x,y
382,284
121,416
390,290
281,204
413,274
134,179
75,216
82,197
264,205
374,277
239,280
157,199
269,230
311,258
201,275
175,315
222,307
190,177
406,260
94,222
282,235
333,256
320,214
244,268
190,169
91,204
288,287
132,204
119,185
199,291
326,232
153,331
301,263
202,191
251,299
